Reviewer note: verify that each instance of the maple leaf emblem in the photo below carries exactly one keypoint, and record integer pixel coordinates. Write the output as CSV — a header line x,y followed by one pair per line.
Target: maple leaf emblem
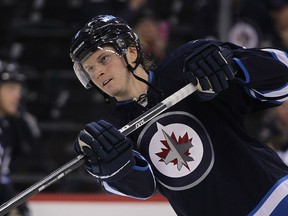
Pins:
x,y
176,151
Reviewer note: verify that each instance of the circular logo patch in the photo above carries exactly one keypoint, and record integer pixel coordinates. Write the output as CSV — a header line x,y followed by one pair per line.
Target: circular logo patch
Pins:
x,y
178,148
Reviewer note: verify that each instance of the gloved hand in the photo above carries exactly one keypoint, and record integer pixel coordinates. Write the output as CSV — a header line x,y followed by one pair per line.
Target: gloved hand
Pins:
x,y
108,153
209,69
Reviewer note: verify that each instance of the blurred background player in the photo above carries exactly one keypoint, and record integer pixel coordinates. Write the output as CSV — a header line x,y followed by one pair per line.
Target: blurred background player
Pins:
x,y
18,131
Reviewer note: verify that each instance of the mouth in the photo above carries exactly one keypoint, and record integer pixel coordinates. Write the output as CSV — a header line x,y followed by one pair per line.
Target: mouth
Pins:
x,y
106,82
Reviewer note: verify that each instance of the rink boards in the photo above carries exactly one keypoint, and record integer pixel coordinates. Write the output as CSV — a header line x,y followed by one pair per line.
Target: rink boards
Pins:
x,y
97,205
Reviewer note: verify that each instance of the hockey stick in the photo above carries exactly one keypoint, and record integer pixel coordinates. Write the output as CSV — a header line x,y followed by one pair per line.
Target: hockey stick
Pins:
x,y
79,160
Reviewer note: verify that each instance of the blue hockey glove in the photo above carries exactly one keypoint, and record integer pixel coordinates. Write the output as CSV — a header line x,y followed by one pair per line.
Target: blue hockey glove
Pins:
x,y
108,153
209,69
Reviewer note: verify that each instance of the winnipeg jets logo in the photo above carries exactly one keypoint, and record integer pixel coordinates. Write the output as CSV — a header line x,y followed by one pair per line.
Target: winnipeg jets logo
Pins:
x,y
178,148
174,157
176,151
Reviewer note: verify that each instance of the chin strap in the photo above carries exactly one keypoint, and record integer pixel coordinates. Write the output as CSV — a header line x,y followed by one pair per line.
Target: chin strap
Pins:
x,y
132,69
147,83
106,96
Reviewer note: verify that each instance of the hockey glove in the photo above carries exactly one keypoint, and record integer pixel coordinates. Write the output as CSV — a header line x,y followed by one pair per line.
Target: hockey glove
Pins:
x,y
209,69
108,153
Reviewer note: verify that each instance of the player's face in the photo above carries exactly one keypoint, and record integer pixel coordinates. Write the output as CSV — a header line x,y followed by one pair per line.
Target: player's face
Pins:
x,y
10,95
108,71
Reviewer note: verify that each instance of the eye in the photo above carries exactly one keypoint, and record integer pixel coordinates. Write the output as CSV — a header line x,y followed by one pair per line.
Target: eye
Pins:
x,y
90,69
104,59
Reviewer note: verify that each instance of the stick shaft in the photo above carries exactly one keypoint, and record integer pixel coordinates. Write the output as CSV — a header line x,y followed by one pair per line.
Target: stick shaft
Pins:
x,y
157,109
79,160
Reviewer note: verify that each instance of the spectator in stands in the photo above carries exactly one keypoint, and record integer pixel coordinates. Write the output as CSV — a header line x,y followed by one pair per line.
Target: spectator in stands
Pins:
x,y
131,9
274,131
18,131
279,14
153,34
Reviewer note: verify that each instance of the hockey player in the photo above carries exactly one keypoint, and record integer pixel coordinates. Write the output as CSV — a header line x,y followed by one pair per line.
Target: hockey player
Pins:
x,y
18,131
197,153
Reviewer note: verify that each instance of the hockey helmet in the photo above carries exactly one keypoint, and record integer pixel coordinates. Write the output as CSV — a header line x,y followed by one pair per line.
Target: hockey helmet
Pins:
x,y
9,73
101,30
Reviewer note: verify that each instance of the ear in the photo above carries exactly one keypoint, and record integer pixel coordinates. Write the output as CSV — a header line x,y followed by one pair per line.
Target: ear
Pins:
x,y
131,55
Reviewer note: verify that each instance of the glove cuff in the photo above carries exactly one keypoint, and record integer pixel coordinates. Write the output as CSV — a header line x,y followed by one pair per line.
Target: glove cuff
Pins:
x,y
241,73
117,174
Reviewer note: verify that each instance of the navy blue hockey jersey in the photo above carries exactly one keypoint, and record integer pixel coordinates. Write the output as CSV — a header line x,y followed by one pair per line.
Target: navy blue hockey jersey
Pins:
x,y
198,154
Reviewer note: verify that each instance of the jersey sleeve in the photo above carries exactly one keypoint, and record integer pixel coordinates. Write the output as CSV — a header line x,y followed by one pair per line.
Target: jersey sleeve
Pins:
x,y
139,184
264,73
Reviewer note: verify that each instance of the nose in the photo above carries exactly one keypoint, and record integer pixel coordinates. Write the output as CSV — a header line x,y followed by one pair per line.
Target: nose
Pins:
x,y
98,75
